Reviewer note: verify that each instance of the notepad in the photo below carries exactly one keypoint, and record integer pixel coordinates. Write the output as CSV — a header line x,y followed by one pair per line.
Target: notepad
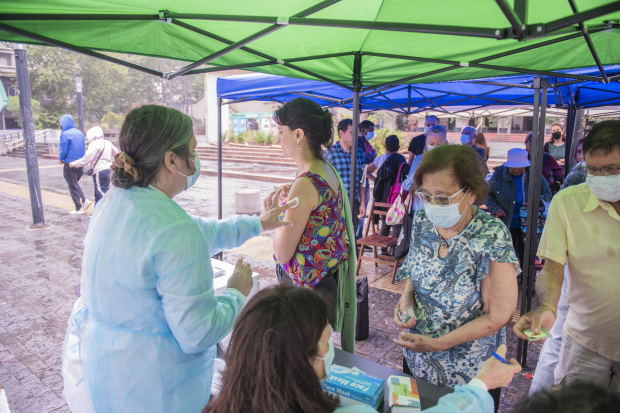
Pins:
x,y
404,396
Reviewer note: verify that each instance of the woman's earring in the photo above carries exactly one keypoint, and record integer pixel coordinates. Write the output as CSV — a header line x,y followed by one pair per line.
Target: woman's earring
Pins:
x,y
298,147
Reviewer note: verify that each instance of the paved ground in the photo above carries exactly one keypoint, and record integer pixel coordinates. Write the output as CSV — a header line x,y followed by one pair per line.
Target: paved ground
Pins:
x,y
40,278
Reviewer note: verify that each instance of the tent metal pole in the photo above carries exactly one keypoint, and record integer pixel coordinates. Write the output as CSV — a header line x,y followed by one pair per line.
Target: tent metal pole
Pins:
x,y
409,99
484,82
541,29
274,27
82,50
357,83
570,129
511,16
229,67
393,103
219,164
32,163
531,233
225,50
588,40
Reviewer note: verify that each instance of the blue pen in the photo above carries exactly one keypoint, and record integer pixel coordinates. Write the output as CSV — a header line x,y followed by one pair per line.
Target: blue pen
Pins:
x,y
500,358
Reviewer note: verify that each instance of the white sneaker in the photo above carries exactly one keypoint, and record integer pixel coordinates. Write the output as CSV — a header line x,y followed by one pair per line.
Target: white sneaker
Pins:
x,y
77,212
86,205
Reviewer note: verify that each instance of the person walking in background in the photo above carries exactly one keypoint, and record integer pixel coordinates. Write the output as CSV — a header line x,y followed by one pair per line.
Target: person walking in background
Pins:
x,y
556,145
437,136
552,171
482,142
339,156
99,157
508,192
71,149
418,143
468,138
388,167
367,132
575,176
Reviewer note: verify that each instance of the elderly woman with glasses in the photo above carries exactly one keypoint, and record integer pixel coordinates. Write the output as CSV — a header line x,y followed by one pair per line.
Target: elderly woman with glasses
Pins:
x,y
460,273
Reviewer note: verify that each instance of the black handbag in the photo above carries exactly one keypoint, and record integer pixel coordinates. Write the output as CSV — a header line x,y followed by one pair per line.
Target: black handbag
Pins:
x,y
401,249
92,170
363,320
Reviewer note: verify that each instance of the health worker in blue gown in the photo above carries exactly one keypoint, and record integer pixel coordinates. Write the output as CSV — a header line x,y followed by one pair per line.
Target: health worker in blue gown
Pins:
x,y
142,336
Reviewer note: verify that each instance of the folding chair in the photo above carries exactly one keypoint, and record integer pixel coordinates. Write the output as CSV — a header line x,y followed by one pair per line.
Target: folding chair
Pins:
x,y
377,241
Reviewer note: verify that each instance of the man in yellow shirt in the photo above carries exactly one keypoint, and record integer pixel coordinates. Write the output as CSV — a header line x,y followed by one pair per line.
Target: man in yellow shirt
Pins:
x,y
583,231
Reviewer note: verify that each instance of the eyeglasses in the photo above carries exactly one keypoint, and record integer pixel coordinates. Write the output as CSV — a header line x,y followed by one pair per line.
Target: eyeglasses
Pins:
x,y
437,128
605,170
443,200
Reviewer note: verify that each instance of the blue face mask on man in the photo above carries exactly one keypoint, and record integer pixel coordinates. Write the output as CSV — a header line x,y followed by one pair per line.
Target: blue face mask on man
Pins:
x,y
465,139
191,179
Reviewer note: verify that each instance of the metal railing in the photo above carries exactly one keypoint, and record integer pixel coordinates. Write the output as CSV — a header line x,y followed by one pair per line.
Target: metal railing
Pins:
x,y
10,136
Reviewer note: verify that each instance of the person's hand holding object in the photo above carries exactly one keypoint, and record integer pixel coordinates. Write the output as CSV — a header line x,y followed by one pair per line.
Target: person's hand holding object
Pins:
x,y
269,217
496,374
541,316
241,279
500,213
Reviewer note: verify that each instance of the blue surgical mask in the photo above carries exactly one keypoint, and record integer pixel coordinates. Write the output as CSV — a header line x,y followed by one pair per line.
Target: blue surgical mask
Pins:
x,y
370,135
426,129
191,179
328,359
443,216
465,139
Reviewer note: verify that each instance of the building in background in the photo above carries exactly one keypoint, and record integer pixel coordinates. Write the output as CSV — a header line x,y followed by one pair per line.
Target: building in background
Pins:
x,y
9,81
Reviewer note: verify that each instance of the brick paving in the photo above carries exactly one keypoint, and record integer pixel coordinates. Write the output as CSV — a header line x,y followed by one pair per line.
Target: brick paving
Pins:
x,y
40,276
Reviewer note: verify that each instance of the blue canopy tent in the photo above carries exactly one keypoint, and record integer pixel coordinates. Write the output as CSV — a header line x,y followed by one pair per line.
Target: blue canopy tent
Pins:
x,y
451,98
413,98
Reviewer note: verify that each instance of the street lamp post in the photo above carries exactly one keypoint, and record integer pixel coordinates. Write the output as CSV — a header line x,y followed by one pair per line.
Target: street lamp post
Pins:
x,y
32,163
80,101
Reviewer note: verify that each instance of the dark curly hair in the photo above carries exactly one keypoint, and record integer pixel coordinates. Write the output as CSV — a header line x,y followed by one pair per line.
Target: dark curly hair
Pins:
x,y
147,134
578,397
304,114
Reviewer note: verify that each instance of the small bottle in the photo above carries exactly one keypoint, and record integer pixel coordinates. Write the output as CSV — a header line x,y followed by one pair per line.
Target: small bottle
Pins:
x,y
523,218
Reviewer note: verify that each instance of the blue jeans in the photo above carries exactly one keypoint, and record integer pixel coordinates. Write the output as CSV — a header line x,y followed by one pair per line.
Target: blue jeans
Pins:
x,y
101,180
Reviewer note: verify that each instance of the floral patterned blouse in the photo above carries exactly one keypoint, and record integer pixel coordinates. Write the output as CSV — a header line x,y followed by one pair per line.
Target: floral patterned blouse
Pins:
x,y
448,294
322,246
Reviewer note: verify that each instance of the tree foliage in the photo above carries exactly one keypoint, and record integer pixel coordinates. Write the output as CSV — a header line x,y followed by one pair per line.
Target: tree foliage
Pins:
x,y
107,87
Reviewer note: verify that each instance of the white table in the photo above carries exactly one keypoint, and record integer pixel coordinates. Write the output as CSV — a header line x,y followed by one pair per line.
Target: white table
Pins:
x,y
220,282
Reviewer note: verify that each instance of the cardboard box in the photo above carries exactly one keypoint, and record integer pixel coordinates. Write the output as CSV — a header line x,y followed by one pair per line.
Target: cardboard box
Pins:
x,y
403,394
353,386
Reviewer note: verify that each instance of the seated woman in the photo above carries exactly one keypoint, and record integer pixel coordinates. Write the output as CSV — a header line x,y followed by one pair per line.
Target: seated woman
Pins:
x,y
283,372
460,273
315,252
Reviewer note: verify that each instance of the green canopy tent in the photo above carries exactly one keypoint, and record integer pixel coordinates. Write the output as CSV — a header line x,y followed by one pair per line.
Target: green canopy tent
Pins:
x,y
361,45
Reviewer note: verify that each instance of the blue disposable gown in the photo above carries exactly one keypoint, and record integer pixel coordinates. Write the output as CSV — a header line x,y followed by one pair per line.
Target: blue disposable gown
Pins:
x,y
142,336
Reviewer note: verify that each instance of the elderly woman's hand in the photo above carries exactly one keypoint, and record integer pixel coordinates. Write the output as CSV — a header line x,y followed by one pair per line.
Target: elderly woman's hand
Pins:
x,y
407,299
419,343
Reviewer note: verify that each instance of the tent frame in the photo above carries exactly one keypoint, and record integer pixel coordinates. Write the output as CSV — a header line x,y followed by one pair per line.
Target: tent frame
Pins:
x,y
518,30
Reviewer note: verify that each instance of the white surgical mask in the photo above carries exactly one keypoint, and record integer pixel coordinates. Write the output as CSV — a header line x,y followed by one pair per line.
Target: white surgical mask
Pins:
x,y
370,135
328,359
465,139
426,129
429,147
605,188
443,216
191,179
